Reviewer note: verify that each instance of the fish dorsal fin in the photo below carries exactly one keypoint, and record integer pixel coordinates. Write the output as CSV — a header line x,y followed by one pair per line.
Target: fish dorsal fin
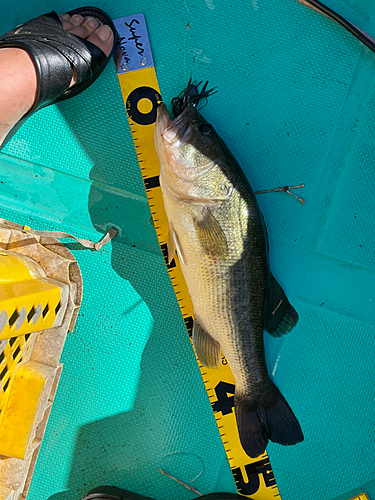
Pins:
x,y
282,317
207,349
173,246
210,235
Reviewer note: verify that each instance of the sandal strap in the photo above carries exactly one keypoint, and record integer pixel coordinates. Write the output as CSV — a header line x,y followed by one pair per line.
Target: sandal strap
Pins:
x,y
55,51
112,493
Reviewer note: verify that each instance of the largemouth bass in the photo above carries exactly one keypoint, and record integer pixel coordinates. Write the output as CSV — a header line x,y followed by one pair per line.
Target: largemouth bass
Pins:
x,y
218,232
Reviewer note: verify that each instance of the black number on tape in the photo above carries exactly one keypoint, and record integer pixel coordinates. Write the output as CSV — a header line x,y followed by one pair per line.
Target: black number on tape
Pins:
x,y
224,402
132,105
253,472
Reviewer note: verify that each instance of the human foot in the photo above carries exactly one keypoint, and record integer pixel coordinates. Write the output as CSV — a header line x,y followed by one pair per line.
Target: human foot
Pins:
x,y
18,74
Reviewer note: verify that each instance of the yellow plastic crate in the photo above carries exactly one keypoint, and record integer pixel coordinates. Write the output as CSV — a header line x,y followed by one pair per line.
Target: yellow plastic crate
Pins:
x,y
28,301
40,294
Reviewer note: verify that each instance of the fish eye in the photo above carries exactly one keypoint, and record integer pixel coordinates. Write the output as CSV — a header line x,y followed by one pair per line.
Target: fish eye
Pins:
x,y
205,128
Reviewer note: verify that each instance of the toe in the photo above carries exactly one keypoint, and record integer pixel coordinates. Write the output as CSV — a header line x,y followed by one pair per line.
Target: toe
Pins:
x,y
90,29
71,23
65,21
76,20
86,28
90,25
64,17
103,38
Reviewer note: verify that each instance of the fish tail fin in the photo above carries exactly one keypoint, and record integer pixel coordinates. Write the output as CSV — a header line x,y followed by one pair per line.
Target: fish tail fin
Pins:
x,y
263,419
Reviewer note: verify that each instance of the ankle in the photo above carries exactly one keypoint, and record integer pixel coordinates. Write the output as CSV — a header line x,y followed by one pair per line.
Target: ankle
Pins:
x,y
18,84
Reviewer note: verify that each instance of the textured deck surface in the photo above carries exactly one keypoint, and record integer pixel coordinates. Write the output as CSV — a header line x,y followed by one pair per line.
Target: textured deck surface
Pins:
x,y
295,104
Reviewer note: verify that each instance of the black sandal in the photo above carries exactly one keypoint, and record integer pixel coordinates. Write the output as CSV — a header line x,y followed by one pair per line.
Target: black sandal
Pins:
x,y
55,52
112,493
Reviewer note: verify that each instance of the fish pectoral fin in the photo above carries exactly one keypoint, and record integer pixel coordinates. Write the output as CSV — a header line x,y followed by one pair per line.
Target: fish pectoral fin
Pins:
x,y
173,246
206,347
282,316
211,235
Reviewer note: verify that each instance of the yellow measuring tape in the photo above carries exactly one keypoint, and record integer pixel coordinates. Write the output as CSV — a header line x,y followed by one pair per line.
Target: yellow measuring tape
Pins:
x,y
141,94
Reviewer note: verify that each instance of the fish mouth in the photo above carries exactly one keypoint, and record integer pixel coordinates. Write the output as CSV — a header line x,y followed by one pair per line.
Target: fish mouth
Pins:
x,y
185,108
170,136
181,128
163,120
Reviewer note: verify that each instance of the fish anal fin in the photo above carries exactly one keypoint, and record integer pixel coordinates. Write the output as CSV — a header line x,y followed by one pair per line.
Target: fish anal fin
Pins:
x,y
206,347
282,316
211,235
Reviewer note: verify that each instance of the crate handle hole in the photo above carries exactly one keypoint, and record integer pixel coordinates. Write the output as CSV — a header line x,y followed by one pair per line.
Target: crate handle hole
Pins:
x,y
45,311
31,314
13,318
58,307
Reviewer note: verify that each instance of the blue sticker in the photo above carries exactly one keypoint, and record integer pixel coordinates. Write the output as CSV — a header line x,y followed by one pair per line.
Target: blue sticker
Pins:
x,y
135,51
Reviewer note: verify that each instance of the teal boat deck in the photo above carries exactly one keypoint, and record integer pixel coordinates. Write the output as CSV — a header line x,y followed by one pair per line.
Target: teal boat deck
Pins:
x,y
295,104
